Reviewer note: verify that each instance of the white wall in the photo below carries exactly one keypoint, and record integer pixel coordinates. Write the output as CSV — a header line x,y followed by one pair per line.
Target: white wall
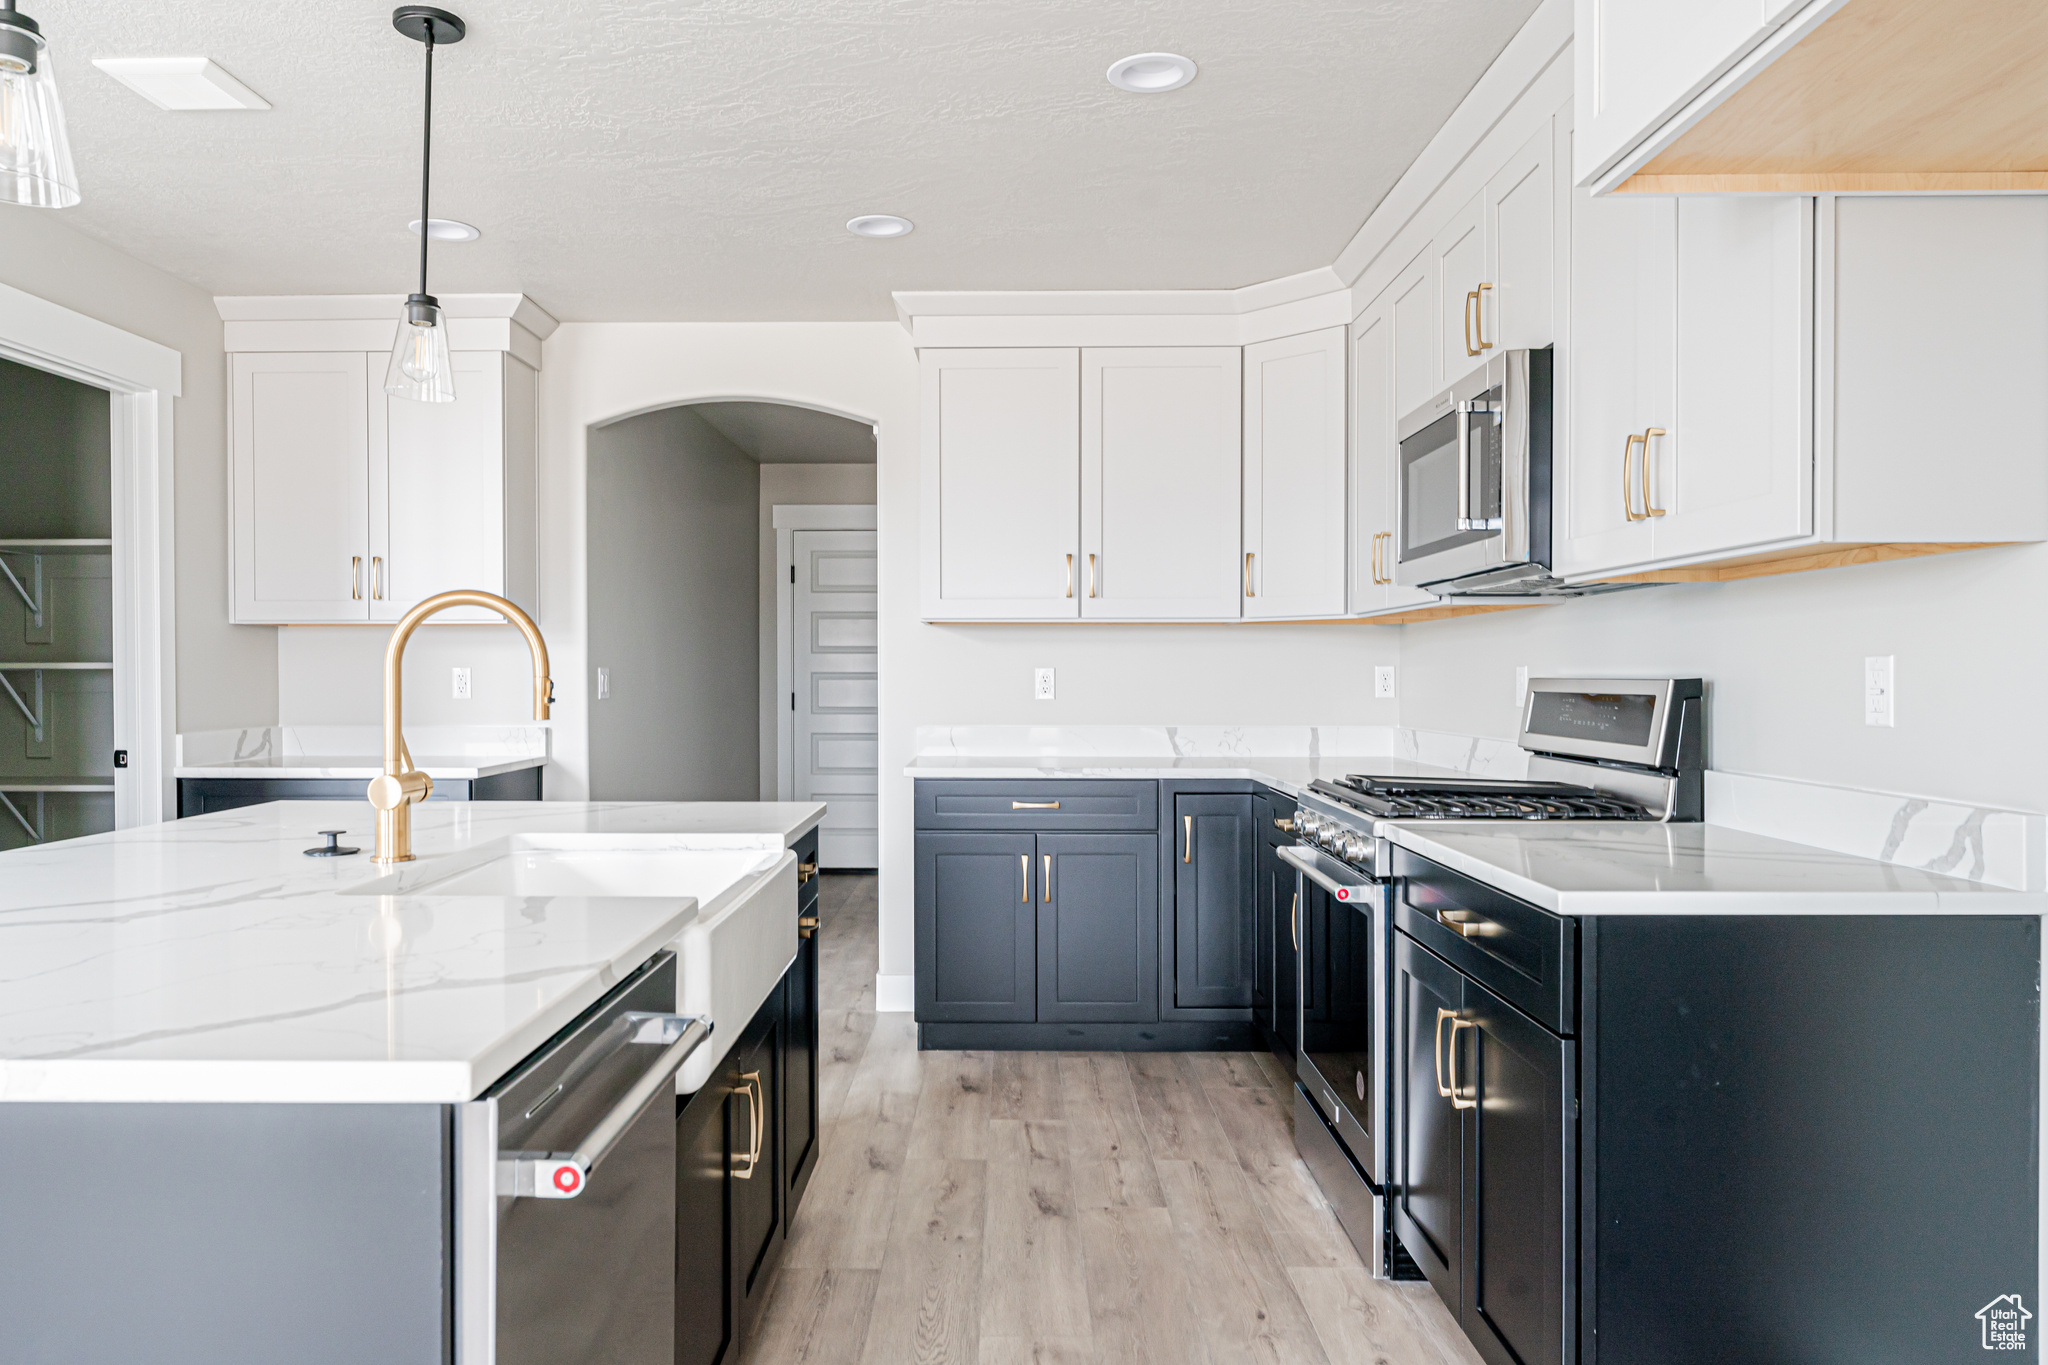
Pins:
x,y
334,675
226,675
673,564
801,485
1783,658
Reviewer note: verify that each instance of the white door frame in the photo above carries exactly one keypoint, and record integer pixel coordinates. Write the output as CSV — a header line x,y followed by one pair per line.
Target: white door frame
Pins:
x,y
143,377
788,519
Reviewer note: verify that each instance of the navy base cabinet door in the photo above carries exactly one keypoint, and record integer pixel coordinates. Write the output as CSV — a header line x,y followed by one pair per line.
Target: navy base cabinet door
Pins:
x,y
1213,912
1098,927
977,927
1429,1142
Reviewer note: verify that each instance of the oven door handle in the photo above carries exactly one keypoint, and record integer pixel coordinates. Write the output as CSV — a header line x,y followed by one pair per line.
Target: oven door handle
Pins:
x,y
562,1175
1303,861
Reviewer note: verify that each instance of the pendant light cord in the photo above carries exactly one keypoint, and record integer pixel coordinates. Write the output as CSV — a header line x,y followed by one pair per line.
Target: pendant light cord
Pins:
x,y
427,160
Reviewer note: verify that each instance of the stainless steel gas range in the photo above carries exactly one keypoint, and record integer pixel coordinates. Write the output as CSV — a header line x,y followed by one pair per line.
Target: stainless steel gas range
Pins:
x,y
1599,749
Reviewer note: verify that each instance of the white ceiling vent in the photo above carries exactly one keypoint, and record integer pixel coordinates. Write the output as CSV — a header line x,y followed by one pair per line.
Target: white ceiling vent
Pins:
x,y
181,82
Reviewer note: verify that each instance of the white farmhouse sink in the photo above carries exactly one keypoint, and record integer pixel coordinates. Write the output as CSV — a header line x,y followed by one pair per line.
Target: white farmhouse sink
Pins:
x,y
728,958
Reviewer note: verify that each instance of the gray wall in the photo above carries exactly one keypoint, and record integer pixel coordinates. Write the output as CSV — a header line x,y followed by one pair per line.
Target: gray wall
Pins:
x,y
794,484
674,565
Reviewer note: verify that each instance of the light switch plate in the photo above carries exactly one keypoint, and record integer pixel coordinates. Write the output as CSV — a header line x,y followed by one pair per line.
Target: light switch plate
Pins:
x,y
604,684
459,684
1877,690
1383,680
1041,684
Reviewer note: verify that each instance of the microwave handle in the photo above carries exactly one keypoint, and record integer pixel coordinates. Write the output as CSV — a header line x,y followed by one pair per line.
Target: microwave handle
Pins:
x,y
1464,466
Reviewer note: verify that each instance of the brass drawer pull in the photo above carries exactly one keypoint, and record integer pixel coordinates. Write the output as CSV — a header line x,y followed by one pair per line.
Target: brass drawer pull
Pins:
x,y
1467,924
1471,297
1091,575
1628,501
1024,861
377,577
1189,855
1479,316
1436,1051
757,1127
1248,574
1034,805
1070,575
1284,823
806,926
1456,1094
1650,509
1045,884
355,578
806,871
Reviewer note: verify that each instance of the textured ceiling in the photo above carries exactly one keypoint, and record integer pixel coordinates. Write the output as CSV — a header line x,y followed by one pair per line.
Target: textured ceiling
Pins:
x,y
697,159
781,433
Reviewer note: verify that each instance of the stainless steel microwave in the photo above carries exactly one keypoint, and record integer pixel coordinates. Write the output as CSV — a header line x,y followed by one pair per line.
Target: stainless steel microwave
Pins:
x,y
1473,513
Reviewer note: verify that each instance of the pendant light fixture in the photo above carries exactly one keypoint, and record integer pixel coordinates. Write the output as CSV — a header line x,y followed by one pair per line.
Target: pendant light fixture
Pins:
x,y
35,155
420,367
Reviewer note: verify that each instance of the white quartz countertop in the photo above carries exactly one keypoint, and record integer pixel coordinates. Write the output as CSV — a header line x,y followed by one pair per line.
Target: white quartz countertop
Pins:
x,y
1289,774
362,767
1594,868
356,752
210,960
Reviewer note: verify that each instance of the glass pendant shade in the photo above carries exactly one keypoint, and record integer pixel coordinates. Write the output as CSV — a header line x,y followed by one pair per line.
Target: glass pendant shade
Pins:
x,y
420,368
35,154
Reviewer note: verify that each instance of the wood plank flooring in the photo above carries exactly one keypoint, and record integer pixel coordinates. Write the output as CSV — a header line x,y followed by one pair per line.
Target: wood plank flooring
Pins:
x,y
1082,1208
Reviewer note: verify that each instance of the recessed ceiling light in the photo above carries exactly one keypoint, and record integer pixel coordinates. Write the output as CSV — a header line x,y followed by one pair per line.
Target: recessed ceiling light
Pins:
x,y
446,230
879,225
181,82
1151,73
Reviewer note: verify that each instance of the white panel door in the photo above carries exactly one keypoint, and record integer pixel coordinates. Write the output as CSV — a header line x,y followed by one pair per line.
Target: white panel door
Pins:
x,y
834,655
1294,475
1461,266
1521,228
1002,484
1735,468
1161,462
1620,371
1414,306
1636,62
437,492
299,433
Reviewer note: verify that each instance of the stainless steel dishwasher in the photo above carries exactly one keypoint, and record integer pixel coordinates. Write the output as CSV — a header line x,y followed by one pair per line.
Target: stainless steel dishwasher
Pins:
x,y
586,1181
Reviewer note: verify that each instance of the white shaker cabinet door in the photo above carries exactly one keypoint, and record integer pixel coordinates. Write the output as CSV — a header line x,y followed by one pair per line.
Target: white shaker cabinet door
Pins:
x,y
1161,462
1516,311
299,433
1461,265
1619,377
1376,362
1636,62
1294,476
1001,484
1735,467
438,493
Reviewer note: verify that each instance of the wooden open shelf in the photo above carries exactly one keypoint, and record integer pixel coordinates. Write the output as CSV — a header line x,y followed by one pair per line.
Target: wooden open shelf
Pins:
x,y
1886,96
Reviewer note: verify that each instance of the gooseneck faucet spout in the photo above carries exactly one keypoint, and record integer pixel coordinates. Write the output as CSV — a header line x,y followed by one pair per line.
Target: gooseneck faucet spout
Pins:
x,y
394,793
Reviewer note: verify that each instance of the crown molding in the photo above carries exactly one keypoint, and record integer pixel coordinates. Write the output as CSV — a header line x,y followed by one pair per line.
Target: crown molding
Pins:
x,y
368,322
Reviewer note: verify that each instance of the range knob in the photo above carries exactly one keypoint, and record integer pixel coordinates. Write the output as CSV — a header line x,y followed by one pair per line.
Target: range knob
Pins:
x,y
1307,824
1356,846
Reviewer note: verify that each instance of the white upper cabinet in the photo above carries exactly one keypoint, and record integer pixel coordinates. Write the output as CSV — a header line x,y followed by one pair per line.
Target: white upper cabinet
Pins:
x,y
1377,358
1461,269
1002,484
299,435
1294,476
1638,62
1525,230
1161,471
351,506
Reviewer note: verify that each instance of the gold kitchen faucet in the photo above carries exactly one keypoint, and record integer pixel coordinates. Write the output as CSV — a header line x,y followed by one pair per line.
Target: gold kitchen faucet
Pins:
x,y
394,793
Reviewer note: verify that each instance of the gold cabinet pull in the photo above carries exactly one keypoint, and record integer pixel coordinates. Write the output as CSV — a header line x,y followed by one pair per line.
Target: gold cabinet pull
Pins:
x,y
1189,855
1650,509
1294,919
1467,924
1045,886
1436,1050
1024,860
806,926
1091,575
806,871
1381,569
757,1126
1628,501
1070,575
377,577
1375,570
1457,1092
1248,575
1284,823
1471,298
355,578
1034,805
1479,316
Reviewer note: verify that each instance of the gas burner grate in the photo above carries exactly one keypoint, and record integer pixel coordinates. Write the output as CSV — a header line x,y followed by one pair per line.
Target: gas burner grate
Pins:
x,y
1481,799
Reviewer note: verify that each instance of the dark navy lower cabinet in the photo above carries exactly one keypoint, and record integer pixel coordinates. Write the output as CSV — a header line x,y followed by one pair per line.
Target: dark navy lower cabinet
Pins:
x,y
1276,929
205,795
1098,938
1213,912
977,927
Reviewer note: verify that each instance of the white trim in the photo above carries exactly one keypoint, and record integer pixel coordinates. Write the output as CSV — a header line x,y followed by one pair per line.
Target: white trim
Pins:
x,y
895,994
141,376
367,322
788,519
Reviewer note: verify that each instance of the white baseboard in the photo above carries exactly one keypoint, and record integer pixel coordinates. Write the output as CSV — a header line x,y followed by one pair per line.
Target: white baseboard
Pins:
x,y
895,994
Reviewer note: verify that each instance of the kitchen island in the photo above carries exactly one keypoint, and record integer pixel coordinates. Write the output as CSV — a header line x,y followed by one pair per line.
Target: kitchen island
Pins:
x,y
257,1089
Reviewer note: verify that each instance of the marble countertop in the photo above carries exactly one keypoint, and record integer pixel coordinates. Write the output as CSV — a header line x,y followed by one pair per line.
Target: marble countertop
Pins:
x,y
209,960
361,767
1684,869
356,752
1283,773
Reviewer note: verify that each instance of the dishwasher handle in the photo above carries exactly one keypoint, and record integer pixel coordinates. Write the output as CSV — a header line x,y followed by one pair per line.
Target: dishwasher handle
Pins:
x,y
562,1175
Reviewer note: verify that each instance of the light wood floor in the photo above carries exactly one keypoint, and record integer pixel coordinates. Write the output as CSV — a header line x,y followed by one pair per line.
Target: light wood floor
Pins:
x,y
1041,1208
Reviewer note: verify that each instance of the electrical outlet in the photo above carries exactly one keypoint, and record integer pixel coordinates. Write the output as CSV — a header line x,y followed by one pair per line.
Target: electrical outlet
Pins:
x,y
604,684
1041,684
1383,680
1521,689
459,684
1877,690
